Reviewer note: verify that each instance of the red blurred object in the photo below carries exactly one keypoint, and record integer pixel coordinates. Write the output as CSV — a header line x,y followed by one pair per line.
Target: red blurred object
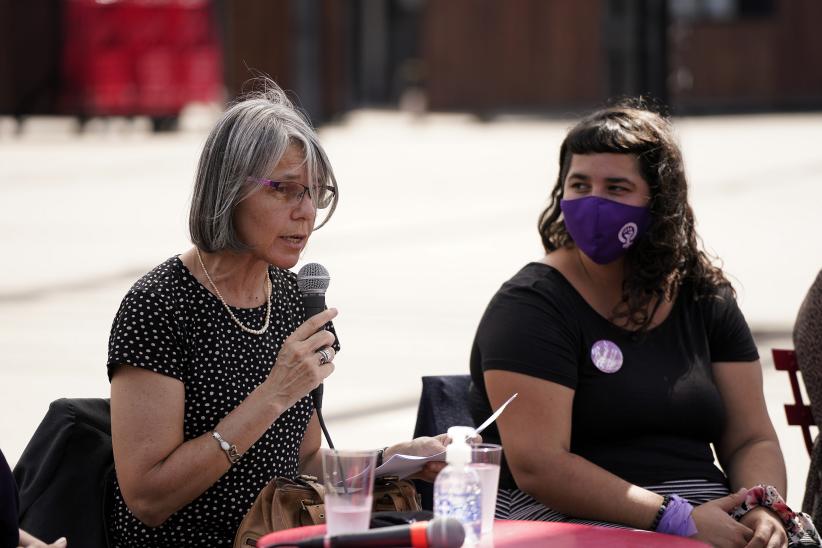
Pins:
x,y
149,57
532,534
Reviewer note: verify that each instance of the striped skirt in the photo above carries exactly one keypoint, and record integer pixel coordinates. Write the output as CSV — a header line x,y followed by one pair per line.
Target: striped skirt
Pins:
x,y
516,504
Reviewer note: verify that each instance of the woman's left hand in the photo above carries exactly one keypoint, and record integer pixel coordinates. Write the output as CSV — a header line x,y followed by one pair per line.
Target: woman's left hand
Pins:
x,y
422,447
768,529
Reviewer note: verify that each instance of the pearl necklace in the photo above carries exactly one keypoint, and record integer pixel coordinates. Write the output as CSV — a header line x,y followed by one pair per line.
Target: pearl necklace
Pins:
x,y
228,309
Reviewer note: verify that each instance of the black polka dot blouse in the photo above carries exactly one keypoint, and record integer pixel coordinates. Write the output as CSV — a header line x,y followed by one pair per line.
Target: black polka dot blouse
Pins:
x,y
169,323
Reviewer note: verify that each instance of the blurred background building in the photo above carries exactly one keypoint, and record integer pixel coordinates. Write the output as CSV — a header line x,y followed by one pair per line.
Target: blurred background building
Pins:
x,y
150,57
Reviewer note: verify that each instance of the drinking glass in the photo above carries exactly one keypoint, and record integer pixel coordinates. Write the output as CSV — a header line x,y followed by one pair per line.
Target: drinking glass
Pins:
x,y
485,460
348,477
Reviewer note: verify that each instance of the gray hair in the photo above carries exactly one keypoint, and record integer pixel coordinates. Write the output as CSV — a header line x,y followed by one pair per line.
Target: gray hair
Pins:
x,y
249,140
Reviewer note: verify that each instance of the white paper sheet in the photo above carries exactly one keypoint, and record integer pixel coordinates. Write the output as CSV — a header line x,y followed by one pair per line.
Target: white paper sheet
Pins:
x,y
406,465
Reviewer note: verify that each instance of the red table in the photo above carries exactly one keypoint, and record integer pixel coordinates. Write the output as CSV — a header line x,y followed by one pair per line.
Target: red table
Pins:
x,y
525,534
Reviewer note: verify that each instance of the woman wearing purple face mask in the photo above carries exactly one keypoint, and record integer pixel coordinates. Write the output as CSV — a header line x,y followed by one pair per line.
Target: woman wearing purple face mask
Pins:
x,y
630,356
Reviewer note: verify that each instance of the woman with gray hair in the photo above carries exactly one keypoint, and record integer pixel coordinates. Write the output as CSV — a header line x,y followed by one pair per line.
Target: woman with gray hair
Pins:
x,y
211,359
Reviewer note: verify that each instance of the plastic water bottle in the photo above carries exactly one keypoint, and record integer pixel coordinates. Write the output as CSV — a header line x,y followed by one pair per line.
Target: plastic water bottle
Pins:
x,y
457,490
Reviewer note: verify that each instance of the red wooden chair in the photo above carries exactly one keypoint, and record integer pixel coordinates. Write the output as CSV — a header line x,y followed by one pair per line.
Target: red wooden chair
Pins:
x,y
797,413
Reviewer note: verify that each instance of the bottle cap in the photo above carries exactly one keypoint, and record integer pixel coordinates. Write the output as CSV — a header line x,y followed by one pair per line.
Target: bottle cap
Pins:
x,y
458,451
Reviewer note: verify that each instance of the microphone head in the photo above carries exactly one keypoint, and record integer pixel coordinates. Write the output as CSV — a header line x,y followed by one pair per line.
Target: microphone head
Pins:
x,y
445,533
313,279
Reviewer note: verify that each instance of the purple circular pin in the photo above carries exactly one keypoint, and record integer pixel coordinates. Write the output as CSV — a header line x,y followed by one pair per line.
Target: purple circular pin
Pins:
x,y
606,356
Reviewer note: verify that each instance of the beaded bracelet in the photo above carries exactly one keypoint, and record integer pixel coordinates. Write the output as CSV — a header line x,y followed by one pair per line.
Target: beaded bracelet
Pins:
x,y
796,524
665,500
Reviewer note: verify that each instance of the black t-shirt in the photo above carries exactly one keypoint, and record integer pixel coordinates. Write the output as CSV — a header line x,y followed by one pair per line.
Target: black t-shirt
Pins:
x,y
170,324
651,421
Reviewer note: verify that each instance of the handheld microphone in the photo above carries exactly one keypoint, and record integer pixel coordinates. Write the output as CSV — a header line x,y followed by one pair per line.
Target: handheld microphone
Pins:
x,y
437,533
312,280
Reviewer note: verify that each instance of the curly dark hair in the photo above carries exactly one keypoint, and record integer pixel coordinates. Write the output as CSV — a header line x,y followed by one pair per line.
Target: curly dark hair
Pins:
x,y
670,252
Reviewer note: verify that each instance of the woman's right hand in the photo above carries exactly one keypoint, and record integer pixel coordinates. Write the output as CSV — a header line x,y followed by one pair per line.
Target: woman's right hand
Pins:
x,y
298,370
715,525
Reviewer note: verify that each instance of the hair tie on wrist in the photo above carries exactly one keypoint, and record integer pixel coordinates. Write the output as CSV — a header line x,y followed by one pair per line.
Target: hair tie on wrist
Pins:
x,y
676,517
796,525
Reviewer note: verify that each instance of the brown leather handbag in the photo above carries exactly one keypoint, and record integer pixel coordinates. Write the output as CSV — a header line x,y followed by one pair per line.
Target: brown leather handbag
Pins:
x,y
285,503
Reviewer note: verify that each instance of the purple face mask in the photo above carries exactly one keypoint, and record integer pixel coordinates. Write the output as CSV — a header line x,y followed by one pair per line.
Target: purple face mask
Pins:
x,y
603,229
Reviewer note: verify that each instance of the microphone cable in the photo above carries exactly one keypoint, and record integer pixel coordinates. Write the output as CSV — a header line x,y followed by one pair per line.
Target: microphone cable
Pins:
x,y
317,398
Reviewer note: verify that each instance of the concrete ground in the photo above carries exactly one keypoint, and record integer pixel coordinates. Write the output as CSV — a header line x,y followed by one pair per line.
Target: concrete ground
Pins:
x,y
436,212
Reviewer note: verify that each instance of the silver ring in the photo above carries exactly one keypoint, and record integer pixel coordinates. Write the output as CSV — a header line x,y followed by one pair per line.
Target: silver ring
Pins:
x,y
325,356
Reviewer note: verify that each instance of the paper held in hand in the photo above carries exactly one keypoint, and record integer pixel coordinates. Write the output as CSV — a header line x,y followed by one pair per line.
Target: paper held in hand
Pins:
x,y
405,465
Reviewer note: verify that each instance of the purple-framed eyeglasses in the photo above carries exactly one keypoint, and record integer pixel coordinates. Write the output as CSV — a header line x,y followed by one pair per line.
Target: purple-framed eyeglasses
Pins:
x,y
292,193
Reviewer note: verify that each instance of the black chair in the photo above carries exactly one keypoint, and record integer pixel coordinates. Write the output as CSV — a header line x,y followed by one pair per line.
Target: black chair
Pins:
x,y
443,403
65,473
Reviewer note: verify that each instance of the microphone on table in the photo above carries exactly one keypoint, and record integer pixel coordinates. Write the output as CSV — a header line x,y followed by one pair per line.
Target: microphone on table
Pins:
x,y
312,281
437,533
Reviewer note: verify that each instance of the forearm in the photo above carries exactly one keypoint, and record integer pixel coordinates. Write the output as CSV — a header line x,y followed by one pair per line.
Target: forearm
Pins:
x,y
759,461
575,486
312,465
195,465
749,448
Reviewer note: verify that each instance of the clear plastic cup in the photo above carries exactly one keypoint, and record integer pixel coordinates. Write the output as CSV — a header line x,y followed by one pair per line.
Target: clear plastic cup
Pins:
x,y
348,477
485,460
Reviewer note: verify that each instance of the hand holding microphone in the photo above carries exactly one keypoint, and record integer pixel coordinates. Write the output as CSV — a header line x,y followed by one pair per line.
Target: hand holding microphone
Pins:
x,y
307,355
313,280
300,366
437,533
